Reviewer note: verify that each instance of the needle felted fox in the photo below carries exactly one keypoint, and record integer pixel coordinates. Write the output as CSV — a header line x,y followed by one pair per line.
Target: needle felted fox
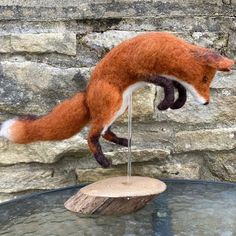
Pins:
x,y
159,58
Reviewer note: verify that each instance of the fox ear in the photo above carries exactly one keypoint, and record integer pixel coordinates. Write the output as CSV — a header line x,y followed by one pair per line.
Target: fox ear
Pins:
x,y
213,59
225,64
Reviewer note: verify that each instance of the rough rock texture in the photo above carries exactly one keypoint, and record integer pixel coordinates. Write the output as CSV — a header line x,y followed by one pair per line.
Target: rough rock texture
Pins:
x,y
39,43
42,152
48,49
213,140
30,87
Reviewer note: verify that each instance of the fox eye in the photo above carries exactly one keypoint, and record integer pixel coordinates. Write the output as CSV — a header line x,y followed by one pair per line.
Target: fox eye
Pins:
x,y
205,79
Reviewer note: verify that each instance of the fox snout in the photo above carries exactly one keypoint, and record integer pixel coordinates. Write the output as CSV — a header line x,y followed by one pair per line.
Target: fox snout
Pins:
x,y
200,97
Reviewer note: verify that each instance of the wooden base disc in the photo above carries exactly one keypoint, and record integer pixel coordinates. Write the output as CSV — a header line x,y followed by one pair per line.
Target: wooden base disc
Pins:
x,y
115,196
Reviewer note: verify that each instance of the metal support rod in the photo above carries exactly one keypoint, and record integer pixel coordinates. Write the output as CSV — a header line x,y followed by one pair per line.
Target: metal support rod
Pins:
x,y
129,171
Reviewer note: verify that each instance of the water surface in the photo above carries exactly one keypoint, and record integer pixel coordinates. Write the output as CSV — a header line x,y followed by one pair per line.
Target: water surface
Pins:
x,y
186,208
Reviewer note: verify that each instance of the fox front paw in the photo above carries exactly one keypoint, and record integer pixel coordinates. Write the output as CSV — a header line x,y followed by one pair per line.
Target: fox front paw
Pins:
x,y
178,104
164,105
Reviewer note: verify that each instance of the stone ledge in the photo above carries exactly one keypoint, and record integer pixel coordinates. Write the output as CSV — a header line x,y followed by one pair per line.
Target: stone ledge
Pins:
x,y
138,155
59,10
187,171
22,178
63,43
202,140
41,152
189,24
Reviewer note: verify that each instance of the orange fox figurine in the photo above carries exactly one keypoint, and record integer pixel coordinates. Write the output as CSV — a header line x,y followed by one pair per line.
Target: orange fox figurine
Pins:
x,y
147,58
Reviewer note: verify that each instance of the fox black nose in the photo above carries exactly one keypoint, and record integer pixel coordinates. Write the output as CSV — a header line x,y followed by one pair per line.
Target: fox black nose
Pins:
x,y
206,103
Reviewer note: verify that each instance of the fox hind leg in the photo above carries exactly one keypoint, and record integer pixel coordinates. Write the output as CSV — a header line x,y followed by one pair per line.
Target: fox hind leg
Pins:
x,y
110,136
104,111
95,147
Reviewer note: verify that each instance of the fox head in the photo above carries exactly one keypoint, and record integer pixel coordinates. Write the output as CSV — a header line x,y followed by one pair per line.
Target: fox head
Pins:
x,y
202,68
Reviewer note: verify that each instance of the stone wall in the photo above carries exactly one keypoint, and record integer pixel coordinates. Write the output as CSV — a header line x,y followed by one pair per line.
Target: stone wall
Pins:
x,y
48,49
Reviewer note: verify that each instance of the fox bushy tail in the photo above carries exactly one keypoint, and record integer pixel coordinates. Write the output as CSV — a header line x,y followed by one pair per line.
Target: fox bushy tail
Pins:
x,y
65,120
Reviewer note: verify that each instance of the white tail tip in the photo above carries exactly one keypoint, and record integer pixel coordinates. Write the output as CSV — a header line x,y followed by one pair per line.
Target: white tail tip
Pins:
x,y
5,130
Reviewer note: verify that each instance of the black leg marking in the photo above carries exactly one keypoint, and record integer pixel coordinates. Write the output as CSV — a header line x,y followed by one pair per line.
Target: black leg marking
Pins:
x,y
182,98
102,160
110,136
168,86
99,156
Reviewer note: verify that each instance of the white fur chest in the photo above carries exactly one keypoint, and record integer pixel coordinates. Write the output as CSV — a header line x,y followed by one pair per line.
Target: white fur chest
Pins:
x,y
125,101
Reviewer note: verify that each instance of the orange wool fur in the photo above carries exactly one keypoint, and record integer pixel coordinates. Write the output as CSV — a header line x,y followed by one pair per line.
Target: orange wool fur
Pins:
x,y
65,120
124,69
